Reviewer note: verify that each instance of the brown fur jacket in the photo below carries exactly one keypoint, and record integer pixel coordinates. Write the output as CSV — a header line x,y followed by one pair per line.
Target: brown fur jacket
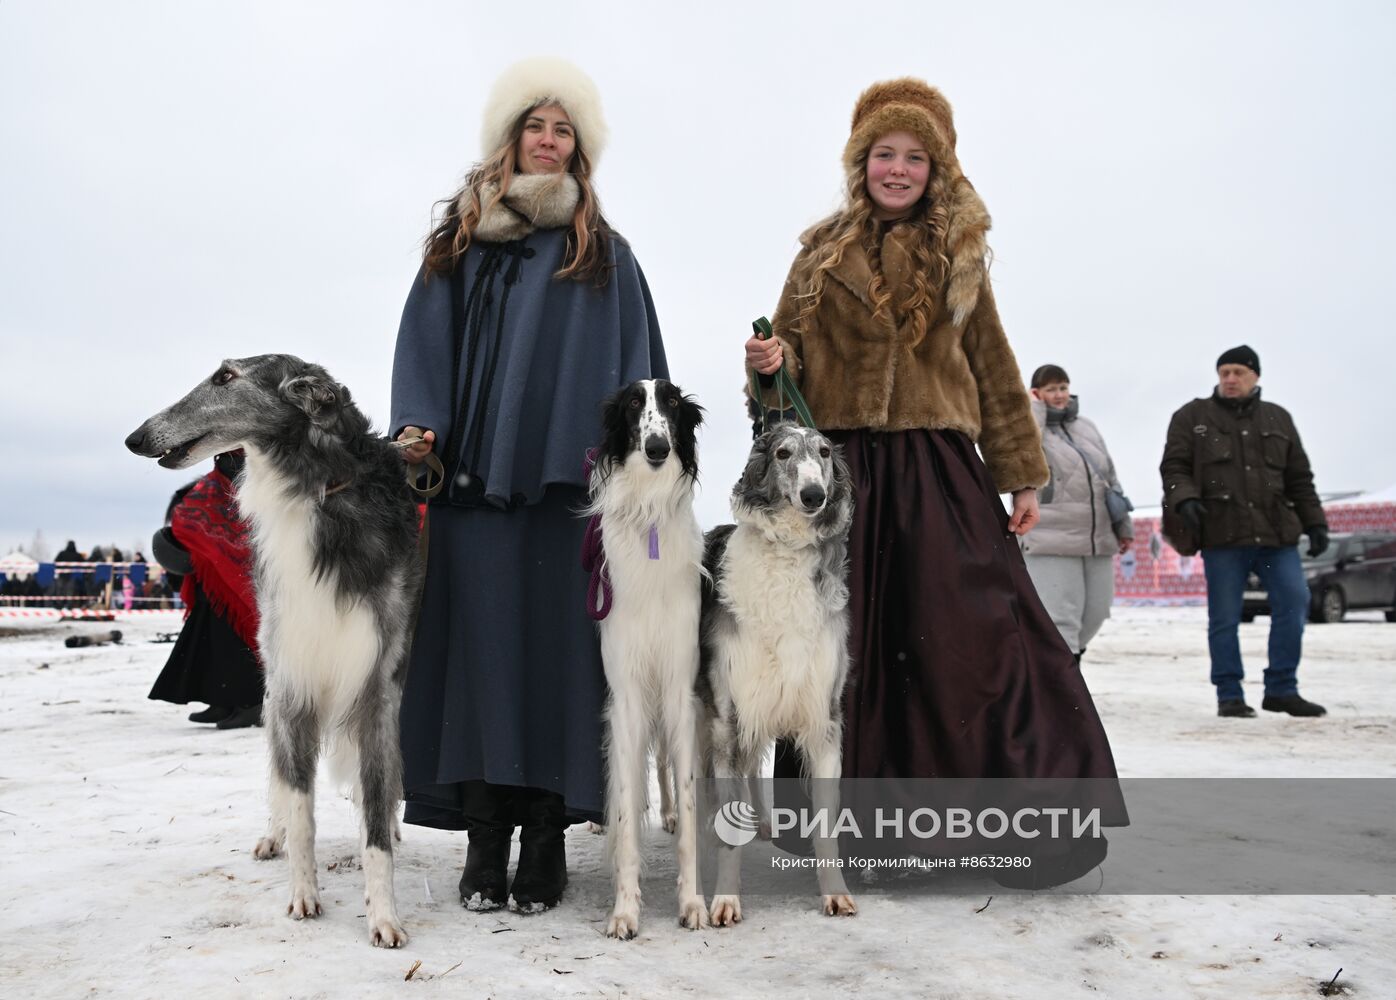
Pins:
x,y
857,370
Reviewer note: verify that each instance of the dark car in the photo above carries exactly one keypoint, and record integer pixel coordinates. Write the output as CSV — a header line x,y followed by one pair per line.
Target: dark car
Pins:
x,y
1357,572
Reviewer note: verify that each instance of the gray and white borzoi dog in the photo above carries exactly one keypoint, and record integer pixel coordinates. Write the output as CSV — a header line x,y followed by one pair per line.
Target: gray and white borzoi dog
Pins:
x,y
337,576
775,635
642,488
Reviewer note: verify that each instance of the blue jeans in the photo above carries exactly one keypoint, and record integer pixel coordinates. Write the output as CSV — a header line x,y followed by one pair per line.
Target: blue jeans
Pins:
x,y
1282,576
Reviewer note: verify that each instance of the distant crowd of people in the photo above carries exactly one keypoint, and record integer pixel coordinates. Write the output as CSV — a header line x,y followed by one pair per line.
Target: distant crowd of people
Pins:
x,y
68,587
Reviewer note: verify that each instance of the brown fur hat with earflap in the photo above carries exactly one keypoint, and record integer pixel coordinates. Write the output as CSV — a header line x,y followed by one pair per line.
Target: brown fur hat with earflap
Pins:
x,y
904,105
911,105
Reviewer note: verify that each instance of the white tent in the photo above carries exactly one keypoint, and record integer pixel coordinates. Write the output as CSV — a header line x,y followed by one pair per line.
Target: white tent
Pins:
x,y
17,563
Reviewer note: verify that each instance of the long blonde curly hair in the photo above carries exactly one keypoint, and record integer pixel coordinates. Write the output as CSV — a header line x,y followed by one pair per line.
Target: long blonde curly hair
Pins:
x,y
588,243
854,224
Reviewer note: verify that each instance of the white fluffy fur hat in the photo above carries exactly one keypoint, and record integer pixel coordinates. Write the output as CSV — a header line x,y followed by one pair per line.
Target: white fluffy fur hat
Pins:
x,y
531,82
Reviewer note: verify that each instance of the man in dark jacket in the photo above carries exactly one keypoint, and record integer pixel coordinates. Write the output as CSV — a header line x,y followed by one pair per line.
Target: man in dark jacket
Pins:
x,y
1236,475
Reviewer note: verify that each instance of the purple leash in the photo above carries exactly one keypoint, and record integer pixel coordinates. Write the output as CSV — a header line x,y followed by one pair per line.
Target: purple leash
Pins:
x,y
594,562
594,554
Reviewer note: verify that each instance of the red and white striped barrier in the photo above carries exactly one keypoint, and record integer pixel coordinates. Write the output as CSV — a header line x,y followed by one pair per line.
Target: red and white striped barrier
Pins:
x,y
56,614
88,567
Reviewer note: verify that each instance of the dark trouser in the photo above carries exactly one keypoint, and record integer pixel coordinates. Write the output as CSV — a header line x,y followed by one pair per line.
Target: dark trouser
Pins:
x,y
1282,575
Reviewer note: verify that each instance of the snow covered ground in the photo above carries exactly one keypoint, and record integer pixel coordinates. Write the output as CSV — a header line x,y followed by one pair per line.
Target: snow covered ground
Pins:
x,y
127,869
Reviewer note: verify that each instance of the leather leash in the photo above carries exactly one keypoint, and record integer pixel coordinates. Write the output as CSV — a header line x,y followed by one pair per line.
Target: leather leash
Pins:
x,y
784,384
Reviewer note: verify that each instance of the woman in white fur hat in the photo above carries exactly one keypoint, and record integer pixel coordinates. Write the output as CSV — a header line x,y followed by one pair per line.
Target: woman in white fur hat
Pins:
x,y
528,310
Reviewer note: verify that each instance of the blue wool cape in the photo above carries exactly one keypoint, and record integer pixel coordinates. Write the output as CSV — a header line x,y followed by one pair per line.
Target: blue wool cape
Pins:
x,y
557,349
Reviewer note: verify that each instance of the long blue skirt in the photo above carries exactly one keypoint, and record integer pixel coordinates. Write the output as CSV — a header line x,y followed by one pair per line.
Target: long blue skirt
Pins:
x,y
505,683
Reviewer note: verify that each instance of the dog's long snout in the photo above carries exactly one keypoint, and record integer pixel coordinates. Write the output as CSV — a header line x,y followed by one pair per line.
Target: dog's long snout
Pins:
x,y
656,448
135,441
812,496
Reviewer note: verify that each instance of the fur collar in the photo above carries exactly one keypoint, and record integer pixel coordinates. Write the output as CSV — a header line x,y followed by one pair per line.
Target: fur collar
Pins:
x,y
533,201
966,244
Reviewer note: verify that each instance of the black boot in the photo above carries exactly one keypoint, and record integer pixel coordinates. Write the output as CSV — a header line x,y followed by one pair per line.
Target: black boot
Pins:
x,y
1292,704
542,873
484,885
242,718
1235,708
214,713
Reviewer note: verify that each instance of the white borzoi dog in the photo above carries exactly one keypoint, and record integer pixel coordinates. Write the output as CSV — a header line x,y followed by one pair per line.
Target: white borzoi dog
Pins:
x,y
642,491
337,576
775,636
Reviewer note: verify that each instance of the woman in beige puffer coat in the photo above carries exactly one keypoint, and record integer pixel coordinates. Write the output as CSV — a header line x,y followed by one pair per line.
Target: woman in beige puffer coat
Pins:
x,y
1070,555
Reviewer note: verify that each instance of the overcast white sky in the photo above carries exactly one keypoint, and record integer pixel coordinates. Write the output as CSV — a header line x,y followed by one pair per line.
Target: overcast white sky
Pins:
x,y
186,181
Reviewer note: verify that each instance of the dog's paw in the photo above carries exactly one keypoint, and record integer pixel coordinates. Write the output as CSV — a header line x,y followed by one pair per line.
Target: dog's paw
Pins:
x,y
266,849
670,822
624,924
305,903
386,932
726,911
596,828
693,913
763,829
840,905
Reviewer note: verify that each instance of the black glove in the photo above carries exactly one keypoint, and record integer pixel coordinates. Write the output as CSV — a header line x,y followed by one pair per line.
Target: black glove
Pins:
x,y
1192,511
1318,541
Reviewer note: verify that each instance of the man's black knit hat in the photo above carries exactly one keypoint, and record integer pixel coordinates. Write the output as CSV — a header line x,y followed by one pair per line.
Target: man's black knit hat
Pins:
x,y
1242,355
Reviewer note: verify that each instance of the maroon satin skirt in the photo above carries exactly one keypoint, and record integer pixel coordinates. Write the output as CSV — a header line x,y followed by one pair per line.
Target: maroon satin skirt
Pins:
x,y
957,669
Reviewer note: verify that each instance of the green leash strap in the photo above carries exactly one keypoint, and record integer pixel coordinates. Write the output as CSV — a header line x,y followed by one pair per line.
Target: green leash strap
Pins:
x,y
784,384
433,467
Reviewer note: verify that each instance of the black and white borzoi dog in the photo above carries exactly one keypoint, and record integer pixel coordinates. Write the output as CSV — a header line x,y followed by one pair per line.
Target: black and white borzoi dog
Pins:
x,y
775,635
642,488
337,576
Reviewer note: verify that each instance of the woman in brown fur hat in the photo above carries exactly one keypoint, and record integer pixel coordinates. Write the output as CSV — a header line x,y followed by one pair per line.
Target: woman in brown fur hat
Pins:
x,y
887,323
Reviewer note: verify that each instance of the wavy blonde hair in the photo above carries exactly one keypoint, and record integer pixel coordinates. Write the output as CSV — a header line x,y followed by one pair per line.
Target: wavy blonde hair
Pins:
x,y
854,224
588,242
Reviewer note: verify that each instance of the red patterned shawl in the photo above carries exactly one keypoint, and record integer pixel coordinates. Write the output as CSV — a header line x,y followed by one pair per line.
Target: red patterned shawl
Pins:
x,y
206,522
